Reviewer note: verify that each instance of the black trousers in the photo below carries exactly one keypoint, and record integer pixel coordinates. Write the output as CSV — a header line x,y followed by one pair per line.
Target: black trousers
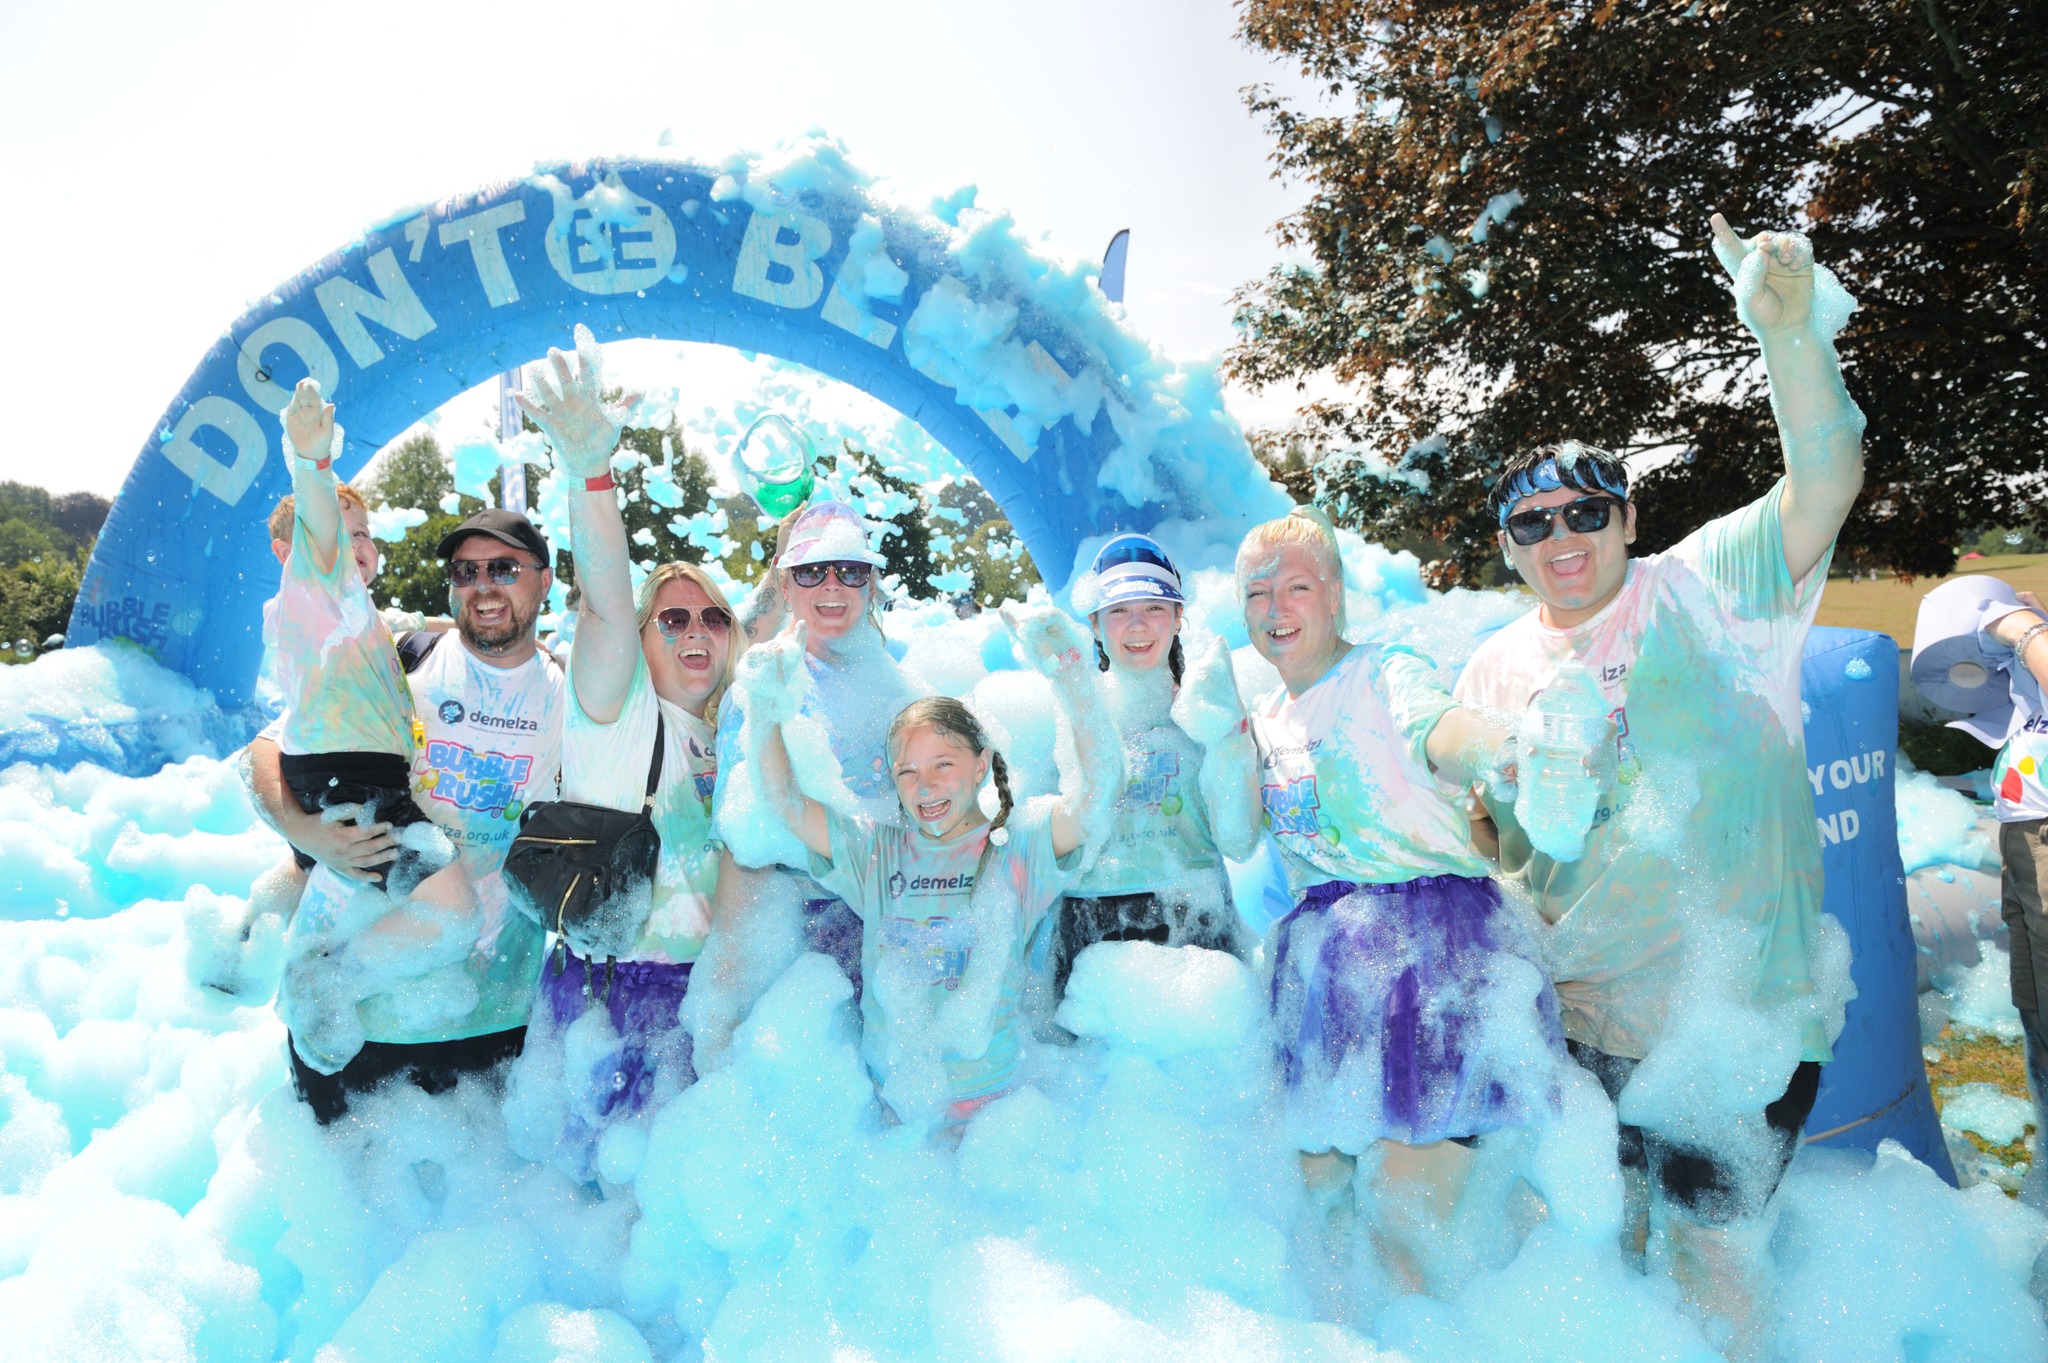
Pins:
x,y
431,1066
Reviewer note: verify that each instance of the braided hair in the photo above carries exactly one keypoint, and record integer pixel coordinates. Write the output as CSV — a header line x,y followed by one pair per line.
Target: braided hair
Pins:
x,y
952,717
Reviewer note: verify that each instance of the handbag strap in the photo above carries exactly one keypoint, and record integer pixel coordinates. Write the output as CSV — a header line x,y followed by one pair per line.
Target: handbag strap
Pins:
x,y
654,768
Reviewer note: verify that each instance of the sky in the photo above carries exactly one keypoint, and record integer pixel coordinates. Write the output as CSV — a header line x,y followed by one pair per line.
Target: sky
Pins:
x,y
168,163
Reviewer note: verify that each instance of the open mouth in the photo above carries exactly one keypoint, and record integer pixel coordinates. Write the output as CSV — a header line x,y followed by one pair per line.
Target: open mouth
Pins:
x,y
696,659
490,613
1569,565
933,812
830,610
1284,635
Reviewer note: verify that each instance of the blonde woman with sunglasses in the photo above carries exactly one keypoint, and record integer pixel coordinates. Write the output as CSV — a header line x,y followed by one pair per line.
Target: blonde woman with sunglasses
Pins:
x,y
645,669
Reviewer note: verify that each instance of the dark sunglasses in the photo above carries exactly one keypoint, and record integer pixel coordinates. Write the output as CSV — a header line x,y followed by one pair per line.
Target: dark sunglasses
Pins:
x,y
675,621
1582,517
853,575
503,571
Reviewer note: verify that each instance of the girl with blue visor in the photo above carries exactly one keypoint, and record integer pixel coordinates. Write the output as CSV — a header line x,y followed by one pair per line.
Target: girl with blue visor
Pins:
x,y
1191,794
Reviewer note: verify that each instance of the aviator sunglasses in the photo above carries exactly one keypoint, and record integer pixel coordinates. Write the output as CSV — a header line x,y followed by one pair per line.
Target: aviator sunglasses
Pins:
x,y
675,621
1582,517
503,572
854,575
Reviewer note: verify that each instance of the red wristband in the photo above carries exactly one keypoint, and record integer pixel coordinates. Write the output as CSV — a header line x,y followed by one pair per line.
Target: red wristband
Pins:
x,y
602,483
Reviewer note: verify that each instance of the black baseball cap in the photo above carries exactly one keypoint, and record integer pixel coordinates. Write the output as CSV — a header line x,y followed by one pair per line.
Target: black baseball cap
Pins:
x,y
507,527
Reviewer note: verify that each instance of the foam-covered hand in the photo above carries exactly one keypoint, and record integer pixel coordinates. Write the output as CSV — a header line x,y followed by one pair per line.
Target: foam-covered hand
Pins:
x,y
1049,638
1773,277
772,678
1208,708
309,427
569,407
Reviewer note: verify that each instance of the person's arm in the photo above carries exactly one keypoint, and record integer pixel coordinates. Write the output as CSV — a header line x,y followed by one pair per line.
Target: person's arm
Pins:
x,y
570,410
1795,308
1060,649
1209,711
772,677
764,610
341,845
1466,745
312,439
2009,628
1461,743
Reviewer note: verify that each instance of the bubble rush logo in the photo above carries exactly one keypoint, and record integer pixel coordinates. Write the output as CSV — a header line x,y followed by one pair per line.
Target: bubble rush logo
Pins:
x,y
1152,779
1292,808
481,781
451,712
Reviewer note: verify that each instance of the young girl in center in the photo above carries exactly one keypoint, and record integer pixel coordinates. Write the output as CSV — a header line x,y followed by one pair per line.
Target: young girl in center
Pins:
x,y
948,897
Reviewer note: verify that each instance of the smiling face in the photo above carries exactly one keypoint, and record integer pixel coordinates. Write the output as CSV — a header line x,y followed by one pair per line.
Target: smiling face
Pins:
x,y
685,670
1138,635
1574,574
938,781
355,523
497,622
831,610
1291,601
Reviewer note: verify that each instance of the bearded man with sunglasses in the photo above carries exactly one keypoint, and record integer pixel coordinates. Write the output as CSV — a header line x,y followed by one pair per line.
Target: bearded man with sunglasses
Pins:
x,y
1693,915
487,741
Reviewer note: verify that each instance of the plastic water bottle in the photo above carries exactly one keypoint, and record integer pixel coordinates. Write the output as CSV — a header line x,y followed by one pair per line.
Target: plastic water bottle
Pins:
x,y
1568,760
773,464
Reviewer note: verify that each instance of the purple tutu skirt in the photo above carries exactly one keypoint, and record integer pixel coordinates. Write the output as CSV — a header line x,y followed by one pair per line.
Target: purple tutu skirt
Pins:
x,y
1414,1012
612,1077
833,927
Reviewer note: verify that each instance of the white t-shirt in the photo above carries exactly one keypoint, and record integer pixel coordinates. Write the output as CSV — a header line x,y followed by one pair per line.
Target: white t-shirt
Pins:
x,y
2019,776
1699,657
606,764
334,665
1346,786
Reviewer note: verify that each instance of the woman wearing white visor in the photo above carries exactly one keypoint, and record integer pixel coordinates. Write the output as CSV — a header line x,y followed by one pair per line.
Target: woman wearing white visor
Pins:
x,y
827,573
1191,796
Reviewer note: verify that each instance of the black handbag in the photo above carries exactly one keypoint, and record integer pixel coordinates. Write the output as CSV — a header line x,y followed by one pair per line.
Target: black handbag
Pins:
x,y
581,863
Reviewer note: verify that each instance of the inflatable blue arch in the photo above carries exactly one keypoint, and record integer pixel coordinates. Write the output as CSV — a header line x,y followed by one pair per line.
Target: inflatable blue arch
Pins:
x,y
1016,365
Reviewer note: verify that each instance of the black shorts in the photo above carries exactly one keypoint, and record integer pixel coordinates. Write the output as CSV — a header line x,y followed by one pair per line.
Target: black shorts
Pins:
x,y
380,781
431,1066
1707,1188
1135,918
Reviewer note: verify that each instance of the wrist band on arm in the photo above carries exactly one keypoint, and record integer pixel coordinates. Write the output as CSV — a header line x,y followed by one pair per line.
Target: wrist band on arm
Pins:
x,y
2027,636
602,483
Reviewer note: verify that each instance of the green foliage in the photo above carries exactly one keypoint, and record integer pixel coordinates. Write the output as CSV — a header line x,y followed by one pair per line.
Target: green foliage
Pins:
x,y
2002,540
1506,230
45,543
415,474
1002,570
907,544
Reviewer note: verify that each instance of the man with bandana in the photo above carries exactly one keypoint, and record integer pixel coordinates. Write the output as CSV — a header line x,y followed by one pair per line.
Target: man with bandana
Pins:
x,y
1693,915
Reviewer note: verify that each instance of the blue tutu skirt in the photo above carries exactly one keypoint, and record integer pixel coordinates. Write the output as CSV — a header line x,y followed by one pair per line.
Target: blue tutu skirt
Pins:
x,y
1415,1012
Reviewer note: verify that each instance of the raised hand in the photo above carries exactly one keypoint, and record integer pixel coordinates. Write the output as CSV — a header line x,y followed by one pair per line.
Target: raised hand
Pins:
x,y
309,422
772,677
1208,708
1049,638
569,407
1772,276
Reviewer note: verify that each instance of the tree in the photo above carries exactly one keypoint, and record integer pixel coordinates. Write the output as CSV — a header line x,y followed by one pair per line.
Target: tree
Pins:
x,y
45,543
415,474
907,542
1507,234
1002,570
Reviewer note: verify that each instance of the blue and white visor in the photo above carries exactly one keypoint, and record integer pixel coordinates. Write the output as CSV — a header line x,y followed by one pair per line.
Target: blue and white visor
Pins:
x,y
1134,568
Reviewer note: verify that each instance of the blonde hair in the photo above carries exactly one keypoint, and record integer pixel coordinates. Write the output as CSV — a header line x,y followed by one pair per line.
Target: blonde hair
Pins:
x,y
280,523
736,638
1308,526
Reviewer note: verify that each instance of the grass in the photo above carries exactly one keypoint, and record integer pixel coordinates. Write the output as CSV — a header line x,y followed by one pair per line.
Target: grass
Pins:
x,y
1981,1060
1890,607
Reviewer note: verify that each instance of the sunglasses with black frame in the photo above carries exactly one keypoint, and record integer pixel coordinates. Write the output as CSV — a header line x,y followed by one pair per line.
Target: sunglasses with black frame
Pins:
x,y
851,574
1581,517
502,572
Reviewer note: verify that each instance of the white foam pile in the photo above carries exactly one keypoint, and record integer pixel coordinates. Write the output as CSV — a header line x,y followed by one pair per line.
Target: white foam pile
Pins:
x,y
163,1196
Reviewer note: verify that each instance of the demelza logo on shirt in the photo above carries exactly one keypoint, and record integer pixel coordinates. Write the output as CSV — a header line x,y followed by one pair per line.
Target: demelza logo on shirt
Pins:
x,y
509,723
899,884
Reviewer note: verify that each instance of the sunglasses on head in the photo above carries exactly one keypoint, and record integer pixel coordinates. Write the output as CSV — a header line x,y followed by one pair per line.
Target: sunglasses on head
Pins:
x,y
853,575
503,572
675,621
1582,517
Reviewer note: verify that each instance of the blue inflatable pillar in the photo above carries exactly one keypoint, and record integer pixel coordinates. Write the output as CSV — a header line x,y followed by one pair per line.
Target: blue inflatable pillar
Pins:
x,y
1876,1087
